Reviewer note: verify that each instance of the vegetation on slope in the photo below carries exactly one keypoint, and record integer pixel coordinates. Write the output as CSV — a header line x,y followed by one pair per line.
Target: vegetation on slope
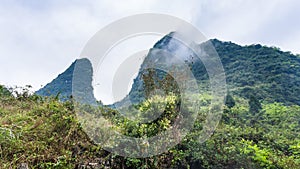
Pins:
x,y
272,74
45,133
260,126
63,85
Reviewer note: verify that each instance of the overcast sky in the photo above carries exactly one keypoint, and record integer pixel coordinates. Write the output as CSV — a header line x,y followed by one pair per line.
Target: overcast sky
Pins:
x,y
40,39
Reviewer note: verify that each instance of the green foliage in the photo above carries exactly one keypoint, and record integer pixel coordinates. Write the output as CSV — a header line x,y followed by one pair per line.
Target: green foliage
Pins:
x,y
45,133
4,92
259,155
260,132
63,85
254,105
269,73
229,101
39,131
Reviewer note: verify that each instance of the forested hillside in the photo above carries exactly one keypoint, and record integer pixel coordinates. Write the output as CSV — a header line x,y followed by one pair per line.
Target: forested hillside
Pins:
x,y
273,75
266,72
45,133
260,126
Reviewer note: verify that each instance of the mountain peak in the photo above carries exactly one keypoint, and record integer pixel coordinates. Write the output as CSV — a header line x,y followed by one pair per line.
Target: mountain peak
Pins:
x,y
163,42
267,71
62,85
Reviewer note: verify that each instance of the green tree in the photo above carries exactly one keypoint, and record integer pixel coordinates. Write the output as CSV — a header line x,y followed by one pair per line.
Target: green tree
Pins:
x,y
230,102
254,105
4,91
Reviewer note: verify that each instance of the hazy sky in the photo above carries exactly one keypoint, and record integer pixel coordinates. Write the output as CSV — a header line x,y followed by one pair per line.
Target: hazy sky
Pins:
x,y
40,39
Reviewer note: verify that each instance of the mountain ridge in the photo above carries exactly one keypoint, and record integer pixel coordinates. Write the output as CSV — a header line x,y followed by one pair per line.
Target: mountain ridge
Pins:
x,y
269,73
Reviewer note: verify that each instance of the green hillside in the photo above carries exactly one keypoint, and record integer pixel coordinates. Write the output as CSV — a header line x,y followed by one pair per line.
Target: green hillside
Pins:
x,y
269,73
272,74
260,126
45,133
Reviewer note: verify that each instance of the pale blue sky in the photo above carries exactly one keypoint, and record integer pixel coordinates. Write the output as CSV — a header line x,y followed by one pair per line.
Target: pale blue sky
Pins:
x,y
39,39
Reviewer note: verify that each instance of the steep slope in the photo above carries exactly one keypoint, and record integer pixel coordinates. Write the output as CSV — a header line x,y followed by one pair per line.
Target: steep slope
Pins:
x,y
62,85
266,72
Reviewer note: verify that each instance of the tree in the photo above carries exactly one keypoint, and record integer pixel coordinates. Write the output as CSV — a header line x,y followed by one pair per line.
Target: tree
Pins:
x,y
254,105
229,101
4,91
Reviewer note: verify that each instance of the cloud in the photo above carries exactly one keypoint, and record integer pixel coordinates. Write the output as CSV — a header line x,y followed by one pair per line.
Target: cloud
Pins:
x,y
39,39
269,22
36,45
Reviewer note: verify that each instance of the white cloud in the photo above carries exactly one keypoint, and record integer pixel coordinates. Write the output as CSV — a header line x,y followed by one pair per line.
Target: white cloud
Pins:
x,y
268,22
38,40
37,45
